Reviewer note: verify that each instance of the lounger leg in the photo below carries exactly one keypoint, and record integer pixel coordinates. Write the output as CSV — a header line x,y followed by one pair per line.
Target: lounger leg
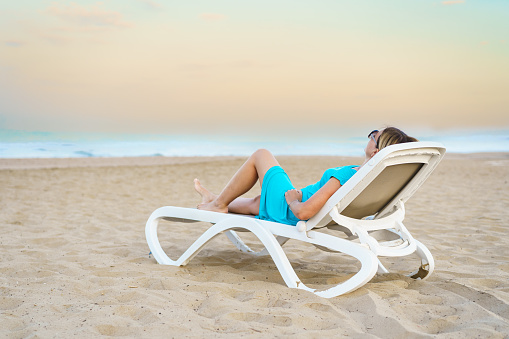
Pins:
x,y
268,240
241,245
153,241
427,262
381,267
272,245
267,237
235,239
281,241
368,260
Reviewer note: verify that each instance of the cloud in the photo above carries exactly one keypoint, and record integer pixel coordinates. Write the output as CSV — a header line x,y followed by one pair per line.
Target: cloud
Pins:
x,y
203,66
152,4
83,23
249,64
56,39
93,16
212,17
13,43
67,35
453,2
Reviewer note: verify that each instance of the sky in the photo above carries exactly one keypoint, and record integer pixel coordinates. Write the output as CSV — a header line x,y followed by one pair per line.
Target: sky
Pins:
x,y
154,66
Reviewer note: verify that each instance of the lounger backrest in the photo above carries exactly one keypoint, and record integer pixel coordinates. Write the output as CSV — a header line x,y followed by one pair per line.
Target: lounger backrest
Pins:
x,y
382,190
392,175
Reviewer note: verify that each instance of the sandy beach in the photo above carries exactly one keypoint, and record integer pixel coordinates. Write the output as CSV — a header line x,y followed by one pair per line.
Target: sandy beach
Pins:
x,y
74,259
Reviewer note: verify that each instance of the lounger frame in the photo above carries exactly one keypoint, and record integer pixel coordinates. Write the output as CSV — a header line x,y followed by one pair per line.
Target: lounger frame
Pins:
x,y
371,202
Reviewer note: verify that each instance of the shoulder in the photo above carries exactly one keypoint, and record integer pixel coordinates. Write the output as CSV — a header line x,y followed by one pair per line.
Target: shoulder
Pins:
x,y
342,173
342,169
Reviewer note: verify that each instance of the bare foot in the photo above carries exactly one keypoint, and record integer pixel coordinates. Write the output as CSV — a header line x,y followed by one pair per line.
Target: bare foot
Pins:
x,y
206,195
208,199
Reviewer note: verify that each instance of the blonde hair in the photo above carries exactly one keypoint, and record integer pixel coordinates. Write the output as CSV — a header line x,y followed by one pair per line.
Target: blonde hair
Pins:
x,y
393,135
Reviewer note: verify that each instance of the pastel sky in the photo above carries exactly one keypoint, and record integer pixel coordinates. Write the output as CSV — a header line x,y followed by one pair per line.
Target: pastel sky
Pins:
x,y
154,66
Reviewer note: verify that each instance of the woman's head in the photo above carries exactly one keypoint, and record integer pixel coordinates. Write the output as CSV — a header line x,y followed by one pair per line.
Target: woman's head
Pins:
x,y
386,137
391,136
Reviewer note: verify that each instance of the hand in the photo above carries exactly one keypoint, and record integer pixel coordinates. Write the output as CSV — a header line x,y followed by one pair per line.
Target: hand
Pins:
x,y
292,195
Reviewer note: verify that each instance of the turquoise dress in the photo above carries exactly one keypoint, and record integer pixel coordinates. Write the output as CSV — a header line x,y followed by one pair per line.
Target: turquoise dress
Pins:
x,y
273,205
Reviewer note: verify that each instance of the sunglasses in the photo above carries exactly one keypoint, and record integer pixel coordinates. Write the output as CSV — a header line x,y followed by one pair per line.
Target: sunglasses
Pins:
x,y
372,136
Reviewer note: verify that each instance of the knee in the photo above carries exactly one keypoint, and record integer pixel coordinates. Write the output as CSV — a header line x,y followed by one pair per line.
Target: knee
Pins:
x,y
262,153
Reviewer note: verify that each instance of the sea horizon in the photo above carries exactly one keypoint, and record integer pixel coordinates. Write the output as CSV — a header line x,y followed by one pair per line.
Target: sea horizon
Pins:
x,y
40,144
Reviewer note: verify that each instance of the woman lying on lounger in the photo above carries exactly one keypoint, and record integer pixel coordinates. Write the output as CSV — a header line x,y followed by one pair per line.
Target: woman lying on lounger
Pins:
x,y
280,201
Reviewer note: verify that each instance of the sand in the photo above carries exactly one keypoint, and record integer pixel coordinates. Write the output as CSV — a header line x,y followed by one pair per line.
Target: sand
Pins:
x,y
74,260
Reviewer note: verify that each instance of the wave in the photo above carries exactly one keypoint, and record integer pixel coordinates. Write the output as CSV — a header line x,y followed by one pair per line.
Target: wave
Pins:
x,y
131,145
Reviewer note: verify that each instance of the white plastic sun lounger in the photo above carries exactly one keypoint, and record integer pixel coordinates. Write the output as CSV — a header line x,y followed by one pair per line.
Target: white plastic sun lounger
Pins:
x,y
370,203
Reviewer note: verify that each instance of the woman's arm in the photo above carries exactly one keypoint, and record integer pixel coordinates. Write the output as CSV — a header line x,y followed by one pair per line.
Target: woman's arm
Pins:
x,y
307,209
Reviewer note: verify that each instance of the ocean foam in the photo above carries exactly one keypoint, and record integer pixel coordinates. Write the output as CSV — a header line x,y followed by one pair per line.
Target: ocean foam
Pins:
x,y
54,145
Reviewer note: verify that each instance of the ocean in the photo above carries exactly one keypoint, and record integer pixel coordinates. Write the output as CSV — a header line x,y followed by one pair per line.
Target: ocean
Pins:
x,y
23,144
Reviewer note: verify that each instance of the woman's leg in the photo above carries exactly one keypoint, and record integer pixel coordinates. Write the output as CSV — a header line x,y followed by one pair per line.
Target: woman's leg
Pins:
x,y
240,205
249,206
252,170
